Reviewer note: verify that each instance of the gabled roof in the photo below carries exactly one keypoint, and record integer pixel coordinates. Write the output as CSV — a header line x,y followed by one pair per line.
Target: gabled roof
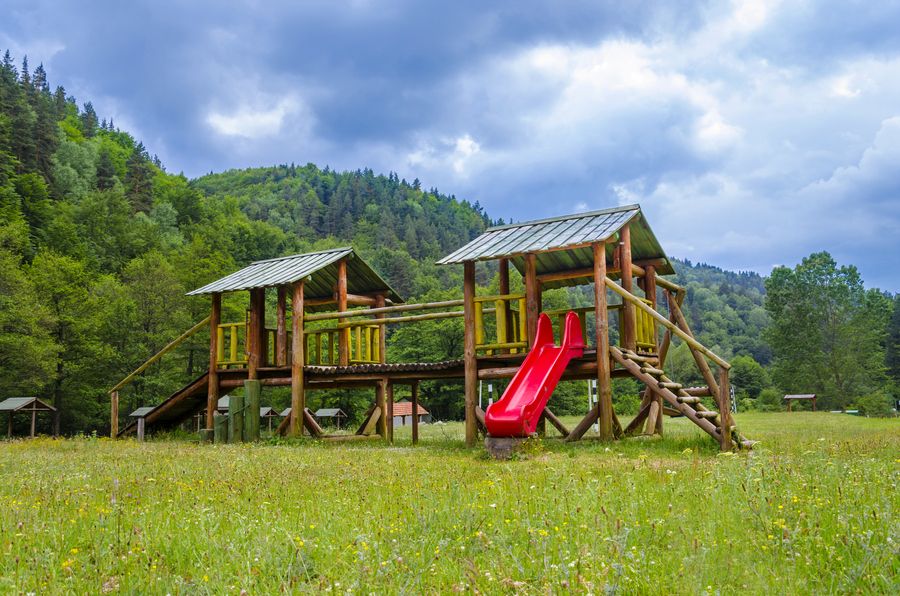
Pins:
x,y
267,412
318,268
330,413
141,412
404,408
14,404
563,243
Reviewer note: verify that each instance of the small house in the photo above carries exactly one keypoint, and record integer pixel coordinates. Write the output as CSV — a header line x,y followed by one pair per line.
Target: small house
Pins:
x,y
403,413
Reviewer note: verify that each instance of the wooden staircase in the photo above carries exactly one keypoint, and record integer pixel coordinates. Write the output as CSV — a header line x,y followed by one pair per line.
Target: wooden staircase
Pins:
x,y
690,406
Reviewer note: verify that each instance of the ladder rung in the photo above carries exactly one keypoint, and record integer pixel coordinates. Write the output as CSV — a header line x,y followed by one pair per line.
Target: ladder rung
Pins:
x,y
670,385
688,399
649,370
708,414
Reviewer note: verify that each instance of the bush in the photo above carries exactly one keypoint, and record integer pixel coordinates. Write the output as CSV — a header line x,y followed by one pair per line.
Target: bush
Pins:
x,y
769,400
747,405
876,405
626,405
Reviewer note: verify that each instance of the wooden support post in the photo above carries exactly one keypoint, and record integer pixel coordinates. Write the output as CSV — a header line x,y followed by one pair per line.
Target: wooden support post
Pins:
x,y
235,418
298,394
471,364
389,398
650,294
381,406
141,427
113,415
255,332
212,391
532,298
724,409
344,334
251,407
220,429
281,328
414,389
601,320
9,430
33,417
382,343
628,317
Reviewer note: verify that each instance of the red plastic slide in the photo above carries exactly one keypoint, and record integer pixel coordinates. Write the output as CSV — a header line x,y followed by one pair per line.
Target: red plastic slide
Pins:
x,y
517,412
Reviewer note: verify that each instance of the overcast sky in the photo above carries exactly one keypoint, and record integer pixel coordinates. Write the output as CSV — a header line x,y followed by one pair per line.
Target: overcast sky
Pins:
x,y
752,133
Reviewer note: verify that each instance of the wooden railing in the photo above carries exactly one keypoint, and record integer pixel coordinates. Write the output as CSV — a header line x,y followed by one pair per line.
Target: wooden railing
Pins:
x,y
506,327
364,344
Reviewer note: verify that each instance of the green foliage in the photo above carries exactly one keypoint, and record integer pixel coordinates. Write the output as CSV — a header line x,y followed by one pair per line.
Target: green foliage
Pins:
x,y
770,400
748,377
827,330
876,405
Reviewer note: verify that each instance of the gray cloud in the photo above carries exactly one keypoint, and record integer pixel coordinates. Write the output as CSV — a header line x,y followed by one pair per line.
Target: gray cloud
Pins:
x,y
752,132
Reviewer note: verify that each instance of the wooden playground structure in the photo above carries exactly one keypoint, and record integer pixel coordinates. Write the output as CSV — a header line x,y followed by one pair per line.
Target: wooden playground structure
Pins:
x,y
332,311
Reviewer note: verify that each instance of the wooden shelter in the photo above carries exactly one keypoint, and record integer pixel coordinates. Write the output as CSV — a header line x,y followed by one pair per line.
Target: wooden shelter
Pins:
x,y
140,416
267,413
330,415
33,405
332,309
790,399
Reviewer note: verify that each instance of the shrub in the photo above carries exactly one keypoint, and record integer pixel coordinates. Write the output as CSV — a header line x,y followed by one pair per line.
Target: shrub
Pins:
x,y
769,400
876,405
626,405
747,405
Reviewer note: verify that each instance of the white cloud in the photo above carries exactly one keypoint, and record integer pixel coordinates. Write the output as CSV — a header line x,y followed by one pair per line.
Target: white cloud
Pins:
x,y
254,121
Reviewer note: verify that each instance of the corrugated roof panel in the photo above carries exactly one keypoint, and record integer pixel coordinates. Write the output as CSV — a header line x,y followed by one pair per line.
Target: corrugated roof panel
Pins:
x,y
567,235
320,267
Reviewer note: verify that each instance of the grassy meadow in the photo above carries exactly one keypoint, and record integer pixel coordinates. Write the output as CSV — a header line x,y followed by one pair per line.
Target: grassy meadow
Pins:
x,y
812,510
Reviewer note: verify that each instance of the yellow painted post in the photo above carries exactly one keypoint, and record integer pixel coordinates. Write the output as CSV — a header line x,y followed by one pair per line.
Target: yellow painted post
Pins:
x,y
523,323
220,343
479,324
232,343
368,344
359,352
376,344
500,305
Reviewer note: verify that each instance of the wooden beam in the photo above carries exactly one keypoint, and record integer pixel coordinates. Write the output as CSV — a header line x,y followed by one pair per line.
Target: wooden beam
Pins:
x,y
628,318
168,348
601,321
281,327
470,362
341,290
255,332
724,399
532,297
382,343
113,415
701,362
381,406
212,392
414,389
583,426
389,398
298,343
556,422
649,278
631,298
365,312
503,266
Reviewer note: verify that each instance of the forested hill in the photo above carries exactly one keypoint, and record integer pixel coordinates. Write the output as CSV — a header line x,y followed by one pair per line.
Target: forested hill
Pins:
x,y
401,228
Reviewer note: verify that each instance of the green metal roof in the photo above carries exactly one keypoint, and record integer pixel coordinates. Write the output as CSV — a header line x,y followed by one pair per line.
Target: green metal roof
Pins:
x,y
13,404
564,243
318,268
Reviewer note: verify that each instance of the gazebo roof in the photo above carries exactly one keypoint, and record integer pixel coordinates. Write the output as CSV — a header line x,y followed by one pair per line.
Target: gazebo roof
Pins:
x,y
319,269
564,243
14,404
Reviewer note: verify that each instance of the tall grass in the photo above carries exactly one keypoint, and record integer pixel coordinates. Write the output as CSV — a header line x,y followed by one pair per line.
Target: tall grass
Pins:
x,y
812,510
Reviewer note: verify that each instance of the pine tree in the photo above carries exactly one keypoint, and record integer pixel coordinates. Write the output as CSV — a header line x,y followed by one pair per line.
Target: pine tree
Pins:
x,y
106,171
139,179
893,344
89,120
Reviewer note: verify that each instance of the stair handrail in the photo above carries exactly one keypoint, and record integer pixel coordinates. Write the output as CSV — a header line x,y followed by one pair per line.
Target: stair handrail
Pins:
x,y
168,348
637,302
